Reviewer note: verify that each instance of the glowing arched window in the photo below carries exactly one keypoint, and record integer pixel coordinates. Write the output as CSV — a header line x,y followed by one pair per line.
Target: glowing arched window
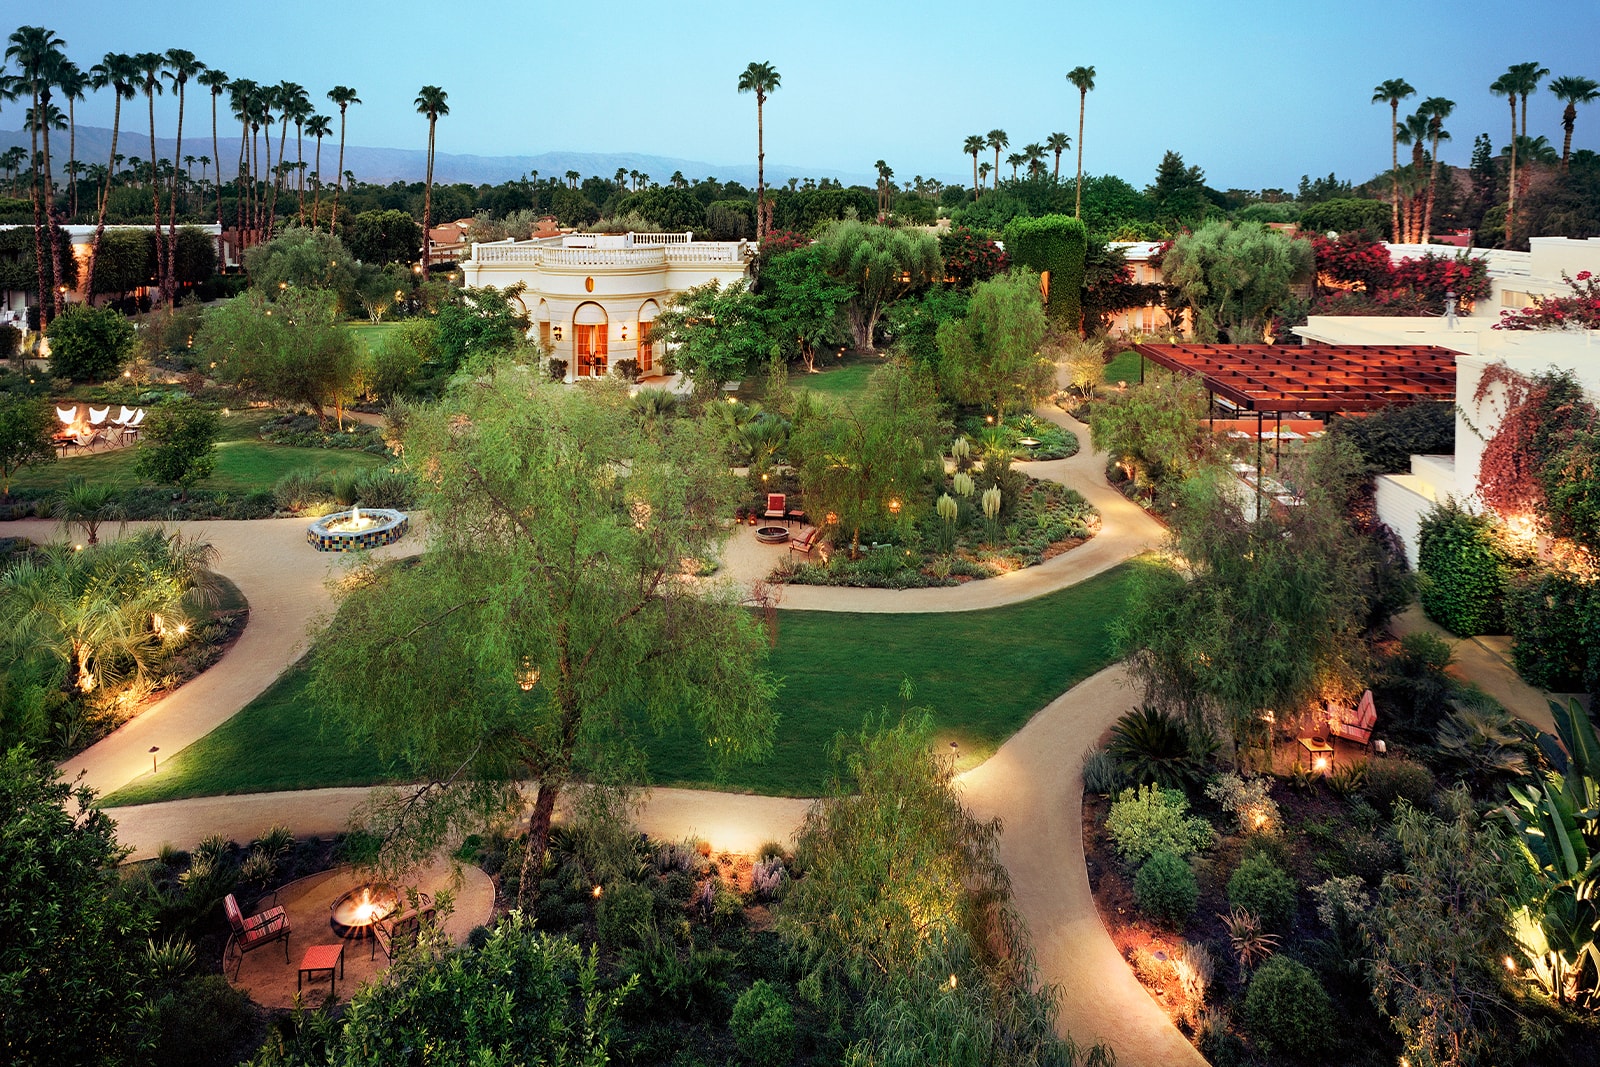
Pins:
x,y
589,329
542,318
646,351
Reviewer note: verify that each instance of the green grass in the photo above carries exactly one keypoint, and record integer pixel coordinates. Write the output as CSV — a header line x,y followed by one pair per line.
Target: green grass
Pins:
x,y
838,380
983,673
244,461
1124,368
372,334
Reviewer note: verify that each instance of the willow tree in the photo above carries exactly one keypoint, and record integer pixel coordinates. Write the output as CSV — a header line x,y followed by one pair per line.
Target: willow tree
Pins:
x,y
549,619
991,357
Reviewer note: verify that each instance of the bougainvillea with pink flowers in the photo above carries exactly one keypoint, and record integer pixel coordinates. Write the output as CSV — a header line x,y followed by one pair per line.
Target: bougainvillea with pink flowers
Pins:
x,y
1578,311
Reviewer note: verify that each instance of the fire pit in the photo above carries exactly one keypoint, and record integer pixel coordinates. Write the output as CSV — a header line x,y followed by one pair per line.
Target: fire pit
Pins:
x,y
353,914
772,535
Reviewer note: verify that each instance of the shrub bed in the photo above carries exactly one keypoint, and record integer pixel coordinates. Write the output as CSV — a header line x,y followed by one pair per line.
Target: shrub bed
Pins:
x,y
306,431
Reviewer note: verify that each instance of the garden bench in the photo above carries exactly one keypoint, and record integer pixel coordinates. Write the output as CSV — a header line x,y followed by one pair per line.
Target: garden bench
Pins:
x,y
249,934
402,927
1354,725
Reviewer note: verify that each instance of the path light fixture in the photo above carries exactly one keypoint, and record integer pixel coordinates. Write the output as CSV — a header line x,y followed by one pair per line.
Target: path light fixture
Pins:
x,y
153,750
598,892
894,505
527,675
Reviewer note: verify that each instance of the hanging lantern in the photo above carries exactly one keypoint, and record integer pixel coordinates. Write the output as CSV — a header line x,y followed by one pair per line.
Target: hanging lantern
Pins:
x,y
527,675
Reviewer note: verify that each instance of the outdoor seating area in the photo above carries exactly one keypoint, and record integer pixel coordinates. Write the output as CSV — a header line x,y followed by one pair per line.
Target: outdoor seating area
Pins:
x,y
332,955
84,427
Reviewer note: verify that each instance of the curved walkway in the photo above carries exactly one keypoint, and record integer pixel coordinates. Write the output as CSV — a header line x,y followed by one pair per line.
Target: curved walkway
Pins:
x,y
1032,783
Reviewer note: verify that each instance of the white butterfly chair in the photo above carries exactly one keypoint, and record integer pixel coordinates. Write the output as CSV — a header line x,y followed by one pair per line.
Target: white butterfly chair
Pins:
x,y
68,416
131,428
123,417
97,418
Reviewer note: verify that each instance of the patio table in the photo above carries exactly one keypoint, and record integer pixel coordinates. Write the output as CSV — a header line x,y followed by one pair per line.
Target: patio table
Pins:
x,y
319,958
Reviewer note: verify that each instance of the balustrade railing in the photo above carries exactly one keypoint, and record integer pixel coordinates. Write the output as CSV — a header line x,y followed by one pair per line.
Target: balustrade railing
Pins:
x,y
683,253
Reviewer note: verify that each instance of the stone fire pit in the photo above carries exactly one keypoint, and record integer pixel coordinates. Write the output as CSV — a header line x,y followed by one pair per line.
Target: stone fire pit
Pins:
x,y
772,535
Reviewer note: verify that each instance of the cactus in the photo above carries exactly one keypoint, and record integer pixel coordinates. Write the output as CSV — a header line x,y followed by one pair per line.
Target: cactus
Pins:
x,y
991,502
946,507
963,484
960,449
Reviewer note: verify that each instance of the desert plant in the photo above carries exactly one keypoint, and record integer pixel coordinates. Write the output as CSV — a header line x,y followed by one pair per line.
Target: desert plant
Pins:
x,y
1247,800
1389,780
1260,887
1166,890
1483,745
1192,963
1100,772
1151,746
1286,1009
172,958
1250,943
1148,820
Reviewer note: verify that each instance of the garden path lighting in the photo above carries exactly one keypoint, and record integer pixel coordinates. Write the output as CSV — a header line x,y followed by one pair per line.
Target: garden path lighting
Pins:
x,y
598,892
527,675
153,750
894,506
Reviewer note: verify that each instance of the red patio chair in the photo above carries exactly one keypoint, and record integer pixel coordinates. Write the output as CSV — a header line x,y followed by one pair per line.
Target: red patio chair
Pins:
x,y
251,933
1354,725
776,507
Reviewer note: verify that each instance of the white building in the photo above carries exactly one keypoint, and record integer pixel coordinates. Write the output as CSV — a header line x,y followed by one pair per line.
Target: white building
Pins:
x,y
1517,278
591,297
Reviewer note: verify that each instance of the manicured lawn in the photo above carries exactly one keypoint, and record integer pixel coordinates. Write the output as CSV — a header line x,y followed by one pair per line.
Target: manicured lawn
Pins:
x,y
835,378
372,334
1124,368
983,673
244,461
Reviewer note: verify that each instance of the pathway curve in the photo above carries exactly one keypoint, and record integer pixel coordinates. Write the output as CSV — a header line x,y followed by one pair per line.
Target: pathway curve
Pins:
x,y
1032,783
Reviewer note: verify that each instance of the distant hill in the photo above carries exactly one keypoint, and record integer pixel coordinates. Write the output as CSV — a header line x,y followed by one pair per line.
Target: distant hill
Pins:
x,y
384,165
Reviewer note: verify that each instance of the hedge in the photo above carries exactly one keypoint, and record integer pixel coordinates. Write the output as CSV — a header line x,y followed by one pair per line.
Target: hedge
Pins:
x,y
1057,244
1463,571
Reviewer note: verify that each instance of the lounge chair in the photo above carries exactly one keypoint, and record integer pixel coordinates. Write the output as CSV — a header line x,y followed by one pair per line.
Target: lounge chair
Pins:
x,y
1354,725
97,417
807,540
123,417
249,934
776,508
131,428
88,438
403,927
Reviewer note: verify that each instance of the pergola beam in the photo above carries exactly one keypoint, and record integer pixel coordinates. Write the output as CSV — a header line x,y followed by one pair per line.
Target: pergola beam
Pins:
x,y
1314,378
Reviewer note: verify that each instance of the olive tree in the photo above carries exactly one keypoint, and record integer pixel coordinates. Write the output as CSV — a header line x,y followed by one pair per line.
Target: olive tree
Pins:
x,y
550,618
26,424
878,265
1236,277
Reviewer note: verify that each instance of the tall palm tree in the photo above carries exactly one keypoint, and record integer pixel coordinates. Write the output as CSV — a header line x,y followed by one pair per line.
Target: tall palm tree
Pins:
x,y
74,83
984,170
997,140
1572,90
241,95
151,66
39,54
301,110
11,161
1437,108
1033,154
318,126
1506,86
117,73
1528,76
1082,79
761,79
291,97
1392,92
1058,143
1413,131
1533,151
181,66
217,82
342,96
264,100
430,102
972,147
1016,159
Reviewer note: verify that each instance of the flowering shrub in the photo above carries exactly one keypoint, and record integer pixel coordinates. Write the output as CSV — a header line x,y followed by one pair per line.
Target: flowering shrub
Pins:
x,y
1414,286
1149,819
1432,276
1247,800
969,257
1580,311
1354,259
1345,893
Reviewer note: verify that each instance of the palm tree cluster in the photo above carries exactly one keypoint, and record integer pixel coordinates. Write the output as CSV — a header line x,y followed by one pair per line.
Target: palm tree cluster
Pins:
x,y
1413,187
1032,156
40,72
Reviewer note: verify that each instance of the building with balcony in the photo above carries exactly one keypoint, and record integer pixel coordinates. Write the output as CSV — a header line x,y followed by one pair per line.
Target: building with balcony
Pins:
x,y
591,297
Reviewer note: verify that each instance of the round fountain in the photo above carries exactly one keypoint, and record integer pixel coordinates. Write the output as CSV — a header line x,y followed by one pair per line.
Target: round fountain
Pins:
x,y
348,531
352,916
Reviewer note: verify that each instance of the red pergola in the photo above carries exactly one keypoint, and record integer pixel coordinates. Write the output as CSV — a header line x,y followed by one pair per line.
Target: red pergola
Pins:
x,y
1280,379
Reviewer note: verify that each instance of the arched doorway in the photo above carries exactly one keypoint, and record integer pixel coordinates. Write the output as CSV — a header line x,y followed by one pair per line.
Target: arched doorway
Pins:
x,y
646,353
542,321
589,349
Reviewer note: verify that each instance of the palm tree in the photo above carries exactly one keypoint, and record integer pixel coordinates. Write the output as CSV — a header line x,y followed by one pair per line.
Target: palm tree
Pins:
x,y
1392,92
1413,132
216,81
1437,108
678,181
430,102
1033,154
241,97
181,66
318,126
1082,78
1573,90
151,66
1528,76
117,73
1016,159
343,96
972,147
81,503
74,83
11,161
1506,86
39,55
1531,151
761,79
293,107
984,170
997,140
1058,143
572,177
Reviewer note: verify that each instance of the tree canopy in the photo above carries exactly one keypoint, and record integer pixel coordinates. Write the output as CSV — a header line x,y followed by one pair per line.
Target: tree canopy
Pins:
x,y
878,265
1236,277
291,347
991,356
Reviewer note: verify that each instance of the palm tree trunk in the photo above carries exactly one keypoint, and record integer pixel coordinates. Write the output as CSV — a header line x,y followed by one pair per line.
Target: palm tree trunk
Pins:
x,y
316,197
427,204
338,186
300,172
39,215
72,152
50,224
216,155
1569,119
105,196
975,176
172,209
277,178
761,171
1394,169
1511,190
155,201
1077,196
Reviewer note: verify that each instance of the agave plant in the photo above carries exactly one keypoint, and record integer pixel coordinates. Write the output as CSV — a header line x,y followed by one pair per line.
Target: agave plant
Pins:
x,y
1250,943
1151,746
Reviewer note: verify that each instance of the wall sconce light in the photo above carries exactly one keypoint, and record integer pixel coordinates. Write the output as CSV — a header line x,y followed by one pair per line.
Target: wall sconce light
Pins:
x,y
557,332
624,331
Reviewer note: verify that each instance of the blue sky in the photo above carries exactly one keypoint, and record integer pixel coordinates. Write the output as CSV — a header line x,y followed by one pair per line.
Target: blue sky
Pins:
x,y
1257,93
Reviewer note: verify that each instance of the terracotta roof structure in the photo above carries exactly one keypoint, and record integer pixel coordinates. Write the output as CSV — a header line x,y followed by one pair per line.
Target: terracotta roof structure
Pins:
x,y
1279,379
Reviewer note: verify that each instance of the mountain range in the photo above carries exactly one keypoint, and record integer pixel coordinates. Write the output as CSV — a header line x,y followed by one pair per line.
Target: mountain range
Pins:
x,y
381,166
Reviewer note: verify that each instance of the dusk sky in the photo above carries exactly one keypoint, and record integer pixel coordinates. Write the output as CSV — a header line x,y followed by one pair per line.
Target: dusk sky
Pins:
x,y
1257,93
